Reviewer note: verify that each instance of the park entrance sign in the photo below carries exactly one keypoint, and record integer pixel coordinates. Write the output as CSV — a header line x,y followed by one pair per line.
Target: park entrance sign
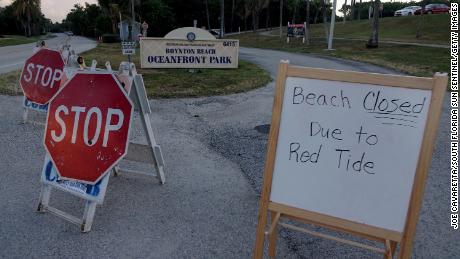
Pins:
x,y
188,47
349,151
42,76
88,126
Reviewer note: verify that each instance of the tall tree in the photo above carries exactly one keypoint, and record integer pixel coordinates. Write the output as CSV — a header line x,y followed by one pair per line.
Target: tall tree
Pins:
x,y
256,7
307,23
353,2
374,39
25,10
281,18
324,8
359,9
222,19
207,14
267,21
233,16
344,10
113,8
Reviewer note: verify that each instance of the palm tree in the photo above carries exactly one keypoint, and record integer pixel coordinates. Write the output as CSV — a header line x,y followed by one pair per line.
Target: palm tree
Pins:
x,y
307,23
207,14
281,18
24,9
222,21
374,39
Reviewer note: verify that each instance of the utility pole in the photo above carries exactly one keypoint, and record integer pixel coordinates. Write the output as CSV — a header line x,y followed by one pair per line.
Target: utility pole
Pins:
x,y
131,31
331,30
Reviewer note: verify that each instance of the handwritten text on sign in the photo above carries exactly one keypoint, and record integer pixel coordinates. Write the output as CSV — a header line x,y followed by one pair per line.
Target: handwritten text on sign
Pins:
x,y
345,147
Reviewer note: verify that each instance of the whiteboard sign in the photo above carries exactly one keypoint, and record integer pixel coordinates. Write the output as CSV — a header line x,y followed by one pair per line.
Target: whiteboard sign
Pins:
x,y
349,150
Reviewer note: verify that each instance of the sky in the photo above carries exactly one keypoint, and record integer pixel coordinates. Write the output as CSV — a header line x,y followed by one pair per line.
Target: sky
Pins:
x,y
57,10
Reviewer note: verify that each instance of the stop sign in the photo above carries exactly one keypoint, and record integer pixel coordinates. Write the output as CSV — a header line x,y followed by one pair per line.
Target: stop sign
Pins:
x,y
42,75
87,128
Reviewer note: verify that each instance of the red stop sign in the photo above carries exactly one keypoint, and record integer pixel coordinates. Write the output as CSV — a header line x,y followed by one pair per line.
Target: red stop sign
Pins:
x,y
42,75
87,128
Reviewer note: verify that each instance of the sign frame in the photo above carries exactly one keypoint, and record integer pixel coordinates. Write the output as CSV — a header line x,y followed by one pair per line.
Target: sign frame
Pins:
x,y
390,238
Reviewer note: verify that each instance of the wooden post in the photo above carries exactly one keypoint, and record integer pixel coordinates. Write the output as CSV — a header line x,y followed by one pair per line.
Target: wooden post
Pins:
x,y
424,161
270,159
273,233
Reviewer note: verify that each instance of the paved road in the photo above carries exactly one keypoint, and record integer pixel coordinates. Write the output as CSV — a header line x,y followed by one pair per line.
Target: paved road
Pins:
x,y
208,208
13,57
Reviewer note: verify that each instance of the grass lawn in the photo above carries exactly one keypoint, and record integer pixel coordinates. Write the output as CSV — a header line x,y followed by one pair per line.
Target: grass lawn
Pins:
x,y
414,60
9,40
434,28
169,83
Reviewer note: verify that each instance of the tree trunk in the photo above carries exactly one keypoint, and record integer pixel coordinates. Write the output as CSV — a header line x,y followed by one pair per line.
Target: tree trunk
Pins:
x,y
255,20
267,21
281,18
352,10
345,12
374,39
222,19
307,23
207,14
325,24
29,20
294,13
315,19
418,34
233,14
359,9
245,18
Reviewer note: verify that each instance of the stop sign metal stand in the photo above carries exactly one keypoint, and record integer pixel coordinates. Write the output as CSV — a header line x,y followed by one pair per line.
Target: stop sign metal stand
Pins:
x,y
94,194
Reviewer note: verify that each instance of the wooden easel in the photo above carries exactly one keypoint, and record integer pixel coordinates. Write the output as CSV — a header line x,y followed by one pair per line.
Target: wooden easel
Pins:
x,y
389,238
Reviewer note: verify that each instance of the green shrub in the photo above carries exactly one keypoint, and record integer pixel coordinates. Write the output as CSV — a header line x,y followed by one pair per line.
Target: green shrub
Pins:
x,y
110,38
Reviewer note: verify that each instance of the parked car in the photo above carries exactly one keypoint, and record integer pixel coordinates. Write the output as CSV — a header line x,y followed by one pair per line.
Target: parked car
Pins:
x,y
69,33
409,10
433,9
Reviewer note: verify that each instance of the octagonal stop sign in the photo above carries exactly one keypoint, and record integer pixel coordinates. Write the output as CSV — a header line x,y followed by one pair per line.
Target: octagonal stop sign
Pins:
x,y
87,128
42,75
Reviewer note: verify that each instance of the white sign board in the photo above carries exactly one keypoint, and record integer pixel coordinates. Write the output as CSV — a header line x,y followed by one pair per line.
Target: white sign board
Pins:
x,y
128,47
182,53
349,150
92,192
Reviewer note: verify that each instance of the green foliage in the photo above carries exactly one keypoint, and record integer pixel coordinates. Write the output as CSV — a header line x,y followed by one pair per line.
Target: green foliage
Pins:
x,y
23,17
110,38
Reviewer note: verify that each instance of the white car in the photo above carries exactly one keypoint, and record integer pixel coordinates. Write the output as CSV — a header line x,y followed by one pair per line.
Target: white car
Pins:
x,y
410,10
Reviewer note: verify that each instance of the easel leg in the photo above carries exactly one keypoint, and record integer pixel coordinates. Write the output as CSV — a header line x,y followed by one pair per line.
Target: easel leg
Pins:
x,y
44,198
25,115
390,247
393,245
158,156
88,216
272,237
116,171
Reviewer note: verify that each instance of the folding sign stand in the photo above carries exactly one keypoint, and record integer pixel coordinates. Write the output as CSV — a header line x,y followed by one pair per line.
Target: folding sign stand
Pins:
x,y
150,153
31,106
282,198
94,194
